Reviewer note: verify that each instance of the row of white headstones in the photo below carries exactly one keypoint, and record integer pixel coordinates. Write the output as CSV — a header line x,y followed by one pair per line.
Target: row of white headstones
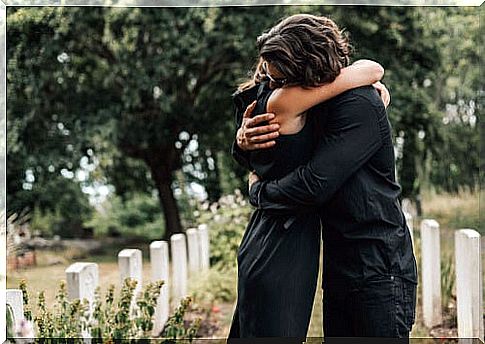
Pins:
x,y
189,254
468,274
193,247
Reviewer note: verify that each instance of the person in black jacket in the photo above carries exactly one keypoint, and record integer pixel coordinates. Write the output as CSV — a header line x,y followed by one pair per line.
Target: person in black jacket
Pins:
x,y
369,272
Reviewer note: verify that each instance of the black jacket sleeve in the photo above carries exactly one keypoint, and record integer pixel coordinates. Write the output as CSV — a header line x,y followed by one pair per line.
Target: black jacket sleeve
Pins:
x,y
242,157
351,138
241,100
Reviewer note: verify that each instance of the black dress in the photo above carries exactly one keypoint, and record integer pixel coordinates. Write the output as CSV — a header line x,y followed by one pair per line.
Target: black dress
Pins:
x,y
278,258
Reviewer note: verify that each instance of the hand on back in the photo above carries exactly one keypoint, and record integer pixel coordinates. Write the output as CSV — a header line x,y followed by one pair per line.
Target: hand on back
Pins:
x,y
251,136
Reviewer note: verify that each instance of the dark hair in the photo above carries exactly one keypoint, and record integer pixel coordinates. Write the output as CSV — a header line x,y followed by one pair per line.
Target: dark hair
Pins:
x,y
308,50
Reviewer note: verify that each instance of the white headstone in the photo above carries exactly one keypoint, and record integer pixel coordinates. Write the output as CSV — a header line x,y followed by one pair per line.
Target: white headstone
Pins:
x,y
15,299
130,265
193,249
469,297
204,245
82,280
159,262
409,222
431,272
179,268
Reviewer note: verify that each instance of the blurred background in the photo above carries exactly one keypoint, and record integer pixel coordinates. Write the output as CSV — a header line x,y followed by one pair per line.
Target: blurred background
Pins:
x,y
120,122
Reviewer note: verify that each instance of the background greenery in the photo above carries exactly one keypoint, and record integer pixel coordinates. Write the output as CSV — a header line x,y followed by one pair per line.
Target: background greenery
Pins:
x,y
137,100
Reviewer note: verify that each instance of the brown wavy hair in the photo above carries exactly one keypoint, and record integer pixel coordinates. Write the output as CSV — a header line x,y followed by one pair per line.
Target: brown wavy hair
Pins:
x,y
308,50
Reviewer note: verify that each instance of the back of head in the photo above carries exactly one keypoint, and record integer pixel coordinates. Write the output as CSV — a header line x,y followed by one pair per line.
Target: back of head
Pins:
x,y
309,50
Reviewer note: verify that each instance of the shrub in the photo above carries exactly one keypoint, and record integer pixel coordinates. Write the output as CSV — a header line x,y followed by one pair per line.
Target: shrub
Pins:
x,y
213,286
176,328
227,219
109,320
60,208
139,216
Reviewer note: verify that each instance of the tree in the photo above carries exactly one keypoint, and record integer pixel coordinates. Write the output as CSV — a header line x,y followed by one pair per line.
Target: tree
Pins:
x,y
126,83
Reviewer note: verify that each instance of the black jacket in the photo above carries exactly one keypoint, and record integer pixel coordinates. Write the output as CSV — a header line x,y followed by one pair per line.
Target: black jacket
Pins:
x,y
351,182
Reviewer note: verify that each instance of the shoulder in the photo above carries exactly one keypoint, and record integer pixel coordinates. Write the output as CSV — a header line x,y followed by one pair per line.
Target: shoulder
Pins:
x,y
364,95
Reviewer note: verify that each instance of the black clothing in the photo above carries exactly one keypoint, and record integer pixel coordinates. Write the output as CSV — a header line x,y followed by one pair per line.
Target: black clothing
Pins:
x,y
351,177
378,308
278,258
351,180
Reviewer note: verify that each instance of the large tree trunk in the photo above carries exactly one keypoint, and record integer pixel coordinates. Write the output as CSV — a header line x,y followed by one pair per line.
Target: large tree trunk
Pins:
x,y
163,181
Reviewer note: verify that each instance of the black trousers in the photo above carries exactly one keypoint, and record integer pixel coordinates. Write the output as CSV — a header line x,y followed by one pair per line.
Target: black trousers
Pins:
x,y
379,308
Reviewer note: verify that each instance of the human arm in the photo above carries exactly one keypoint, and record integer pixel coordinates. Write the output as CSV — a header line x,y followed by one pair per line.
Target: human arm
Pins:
x,y
265,135
293,100
352,138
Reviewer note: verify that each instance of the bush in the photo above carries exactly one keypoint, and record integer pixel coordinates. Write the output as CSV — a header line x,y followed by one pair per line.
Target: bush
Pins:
x,y
213,286
111,319
227,220
61,208
139,216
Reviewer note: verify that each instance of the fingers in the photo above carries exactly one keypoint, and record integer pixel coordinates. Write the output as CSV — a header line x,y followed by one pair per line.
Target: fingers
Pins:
x,y
264,145
252,122
252,135
262,130
378,86
386,96
264,138
249,110
383,92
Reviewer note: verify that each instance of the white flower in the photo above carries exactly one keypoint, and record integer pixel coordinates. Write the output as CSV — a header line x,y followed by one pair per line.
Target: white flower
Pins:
x,y
213,207
24,329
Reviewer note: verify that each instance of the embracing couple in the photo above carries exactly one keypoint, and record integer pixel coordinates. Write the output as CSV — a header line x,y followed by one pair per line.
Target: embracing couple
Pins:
x,y
314,132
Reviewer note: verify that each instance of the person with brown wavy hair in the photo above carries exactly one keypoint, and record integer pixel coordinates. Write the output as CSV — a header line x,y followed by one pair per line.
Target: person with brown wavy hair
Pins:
x,y
346,179
303,61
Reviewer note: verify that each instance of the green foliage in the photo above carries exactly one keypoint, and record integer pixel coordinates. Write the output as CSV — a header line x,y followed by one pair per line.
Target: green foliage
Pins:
x,y
67,318
119,87
9,322
227,219
122,322
176,328
455,162
448,281
139,216
103,322
448,291
146,306
60,207
142,78
214,286
110,320
25,299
